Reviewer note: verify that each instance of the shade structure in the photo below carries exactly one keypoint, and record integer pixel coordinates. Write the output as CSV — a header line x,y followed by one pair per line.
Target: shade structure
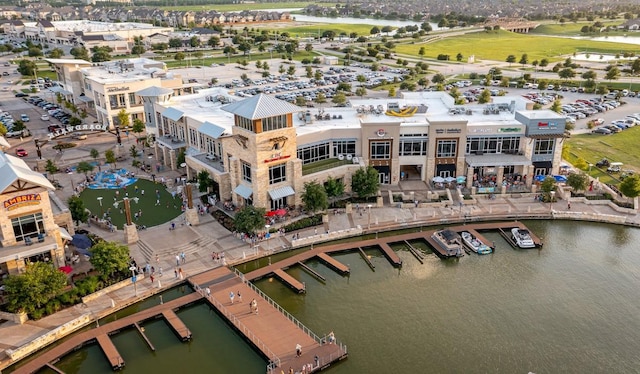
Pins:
x,y
461,179
540,178
449,179
271,213
66,269
560,178
83,251
438,179
281,212
81,241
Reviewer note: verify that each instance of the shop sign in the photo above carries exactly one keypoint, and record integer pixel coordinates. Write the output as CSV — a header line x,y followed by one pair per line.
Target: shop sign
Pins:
x,y
117,89
69,129
277,157
448,131
21,201
547,125
381,133
509,129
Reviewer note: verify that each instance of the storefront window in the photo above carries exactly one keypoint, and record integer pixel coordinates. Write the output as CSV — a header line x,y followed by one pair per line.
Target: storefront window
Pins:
x,y
277,174
543,147
381,150
447,148
313,153
27,226
344,147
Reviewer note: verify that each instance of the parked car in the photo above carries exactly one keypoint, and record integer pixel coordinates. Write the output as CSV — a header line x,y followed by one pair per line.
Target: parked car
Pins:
x,y
615,167
44,117
602,130
21,94
21,152
24,118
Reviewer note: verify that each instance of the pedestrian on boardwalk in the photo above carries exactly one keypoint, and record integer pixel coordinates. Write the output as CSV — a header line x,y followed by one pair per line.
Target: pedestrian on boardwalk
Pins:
x,y
208,291
568,205
160,270
316,359
151,277
231,296
157,259
183,257
239,296
180,273
175,272
177,260
298,350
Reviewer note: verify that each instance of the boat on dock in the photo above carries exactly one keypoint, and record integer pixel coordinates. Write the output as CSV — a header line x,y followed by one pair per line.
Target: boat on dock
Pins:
x,y
522,237
475,244
449,243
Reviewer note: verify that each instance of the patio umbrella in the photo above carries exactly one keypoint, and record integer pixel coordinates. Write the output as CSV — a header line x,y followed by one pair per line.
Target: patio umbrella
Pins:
x,y
81,241
449,179
271,213
540,178
83,251
560,178
281,212
66,269
438,179
461,179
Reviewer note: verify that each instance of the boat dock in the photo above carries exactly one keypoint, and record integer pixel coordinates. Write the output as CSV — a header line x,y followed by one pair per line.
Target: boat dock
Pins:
x,y
335,264
101,336
272,330
289,280
177,325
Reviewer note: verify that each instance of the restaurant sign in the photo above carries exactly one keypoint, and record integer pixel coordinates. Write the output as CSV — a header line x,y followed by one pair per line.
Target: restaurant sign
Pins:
x,y
21,201
84,127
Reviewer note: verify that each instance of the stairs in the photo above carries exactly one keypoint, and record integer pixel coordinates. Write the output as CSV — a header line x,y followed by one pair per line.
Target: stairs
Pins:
x,y
203,245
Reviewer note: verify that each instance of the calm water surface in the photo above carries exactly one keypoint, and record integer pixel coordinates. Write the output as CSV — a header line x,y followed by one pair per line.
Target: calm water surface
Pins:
x,y
571,307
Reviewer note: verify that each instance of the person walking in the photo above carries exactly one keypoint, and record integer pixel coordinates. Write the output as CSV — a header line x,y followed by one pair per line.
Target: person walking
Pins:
x,y
239,296
175,272
231,296
568,205
208,291
160,270
183,257
177,260
298,350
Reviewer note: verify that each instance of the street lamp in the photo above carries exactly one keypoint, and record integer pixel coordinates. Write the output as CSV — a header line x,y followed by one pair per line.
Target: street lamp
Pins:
x,y
590,166
267,235
369,225
133,280
100,201
553,194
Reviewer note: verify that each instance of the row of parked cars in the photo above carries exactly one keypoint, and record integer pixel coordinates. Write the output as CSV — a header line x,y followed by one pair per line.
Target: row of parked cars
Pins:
x,y
616,125
52,110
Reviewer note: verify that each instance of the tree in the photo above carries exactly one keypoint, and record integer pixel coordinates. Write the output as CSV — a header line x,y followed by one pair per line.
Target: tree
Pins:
x,y
101,54
485,97
133,151
314,197
438,78
110,258
249,219
524,59
635,66
544,62
213,41
204,181
56,53
334,187
511,59
175,43
308,47
84,167
51,167
138,126
589,75
392,91
110,157
39,283
566,73
179,56
78,211
123,118
375,30
365,181
630,186
422,52
95,154
321,98
613,73
339,99
361,91
194,41
27,67
459,57
548,185
80,53
556,106
577,181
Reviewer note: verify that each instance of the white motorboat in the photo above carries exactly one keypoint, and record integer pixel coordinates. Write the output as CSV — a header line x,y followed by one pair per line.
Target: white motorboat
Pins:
x,y
522,237
475,244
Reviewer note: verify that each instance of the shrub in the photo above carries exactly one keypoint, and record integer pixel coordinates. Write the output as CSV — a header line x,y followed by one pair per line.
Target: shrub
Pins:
x,y
304,223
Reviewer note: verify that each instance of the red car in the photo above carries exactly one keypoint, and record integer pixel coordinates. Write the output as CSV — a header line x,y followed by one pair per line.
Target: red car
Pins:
x,y
21,152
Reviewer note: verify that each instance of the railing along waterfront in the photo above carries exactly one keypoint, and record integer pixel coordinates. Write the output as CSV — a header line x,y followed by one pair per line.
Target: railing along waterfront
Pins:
x,y
274,359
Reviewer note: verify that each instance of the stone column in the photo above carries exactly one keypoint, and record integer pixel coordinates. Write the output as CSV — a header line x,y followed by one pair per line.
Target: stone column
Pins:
x,y
469,177
499,179
130,230
191,214
172,159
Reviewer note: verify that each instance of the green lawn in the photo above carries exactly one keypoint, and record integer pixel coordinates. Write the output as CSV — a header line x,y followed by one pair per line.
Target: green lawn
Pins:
x,y
239,7
151,215
620,147
318,28
498,45
572,29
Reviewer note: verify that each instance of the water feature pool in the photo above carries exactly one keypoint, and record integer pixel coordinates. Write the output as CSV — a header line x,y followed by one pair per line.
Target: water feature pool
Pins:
x,y
112,180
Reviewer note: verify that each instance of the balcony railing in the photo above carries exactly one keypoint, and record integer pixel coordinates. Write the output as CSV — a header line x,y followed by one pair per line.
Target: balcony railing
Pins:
x,y
319,166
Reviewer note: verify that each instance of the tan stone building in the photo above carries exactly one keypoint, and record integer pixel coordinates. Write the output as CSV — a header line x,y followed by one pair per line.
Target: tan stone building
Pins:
x,y
34,224
262,150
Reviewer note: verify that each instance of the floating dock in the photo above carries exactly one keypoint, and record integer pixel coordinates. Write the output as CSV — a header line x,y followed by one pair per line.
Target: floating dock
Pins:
x,y
110,351
290,281
335,264
177,325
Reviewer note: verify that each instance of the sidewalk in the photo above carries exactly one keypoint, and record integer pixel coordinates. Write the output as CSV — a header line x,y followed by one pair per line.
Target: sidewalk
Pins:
x,y
159,246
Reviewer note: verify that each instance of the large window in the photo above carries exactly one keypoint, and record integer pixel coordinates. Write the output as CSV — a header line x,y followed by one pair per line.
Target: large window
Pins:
x,y
344,147
447,148
543,147
274,123
381,150
134,100
27,226
244,123
277,174
313,153
493,144
413,147
246,172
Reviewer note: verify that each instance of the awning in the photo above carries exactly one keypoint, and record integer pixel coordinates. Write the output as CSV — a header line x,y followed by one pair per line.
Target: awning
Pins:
x,y
65,234
60,90
211,130
243,191
496,160
281,192
85,99
172,114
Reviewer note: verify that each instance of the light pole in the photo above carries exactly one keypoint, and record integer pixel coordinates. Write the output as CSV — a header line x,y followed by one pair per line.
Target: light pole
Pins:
x,y
553,195
267,235
590,166
133,280
369,225
100,201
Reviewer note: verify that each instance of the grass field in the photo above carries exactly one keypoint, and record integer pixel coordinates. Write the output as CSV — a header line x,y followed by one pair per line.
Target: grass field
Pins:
x,y
239,7
152,215
615,147
572,29
318,28
498,45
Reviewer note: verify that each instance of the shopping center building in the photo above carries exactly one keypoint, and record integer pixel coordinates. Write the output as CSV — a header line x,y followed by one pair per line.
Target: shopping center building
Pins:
x,y
262,150
34,223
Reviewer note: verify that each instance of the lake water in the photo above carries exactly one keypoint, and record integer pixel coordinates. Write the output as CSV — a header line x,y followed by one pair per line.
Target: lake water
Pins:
x,y
571,307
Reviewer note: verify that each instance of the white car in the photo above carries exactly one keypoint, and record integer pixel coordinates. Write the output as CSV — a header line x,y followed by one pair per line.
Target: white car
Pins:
x,y
44,117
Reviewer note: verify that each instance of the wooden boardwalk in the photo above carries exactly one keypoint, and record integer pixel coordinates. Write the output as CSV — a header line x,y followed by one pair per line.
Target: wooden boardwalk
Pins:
x,y
271,329
335,264
101,334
